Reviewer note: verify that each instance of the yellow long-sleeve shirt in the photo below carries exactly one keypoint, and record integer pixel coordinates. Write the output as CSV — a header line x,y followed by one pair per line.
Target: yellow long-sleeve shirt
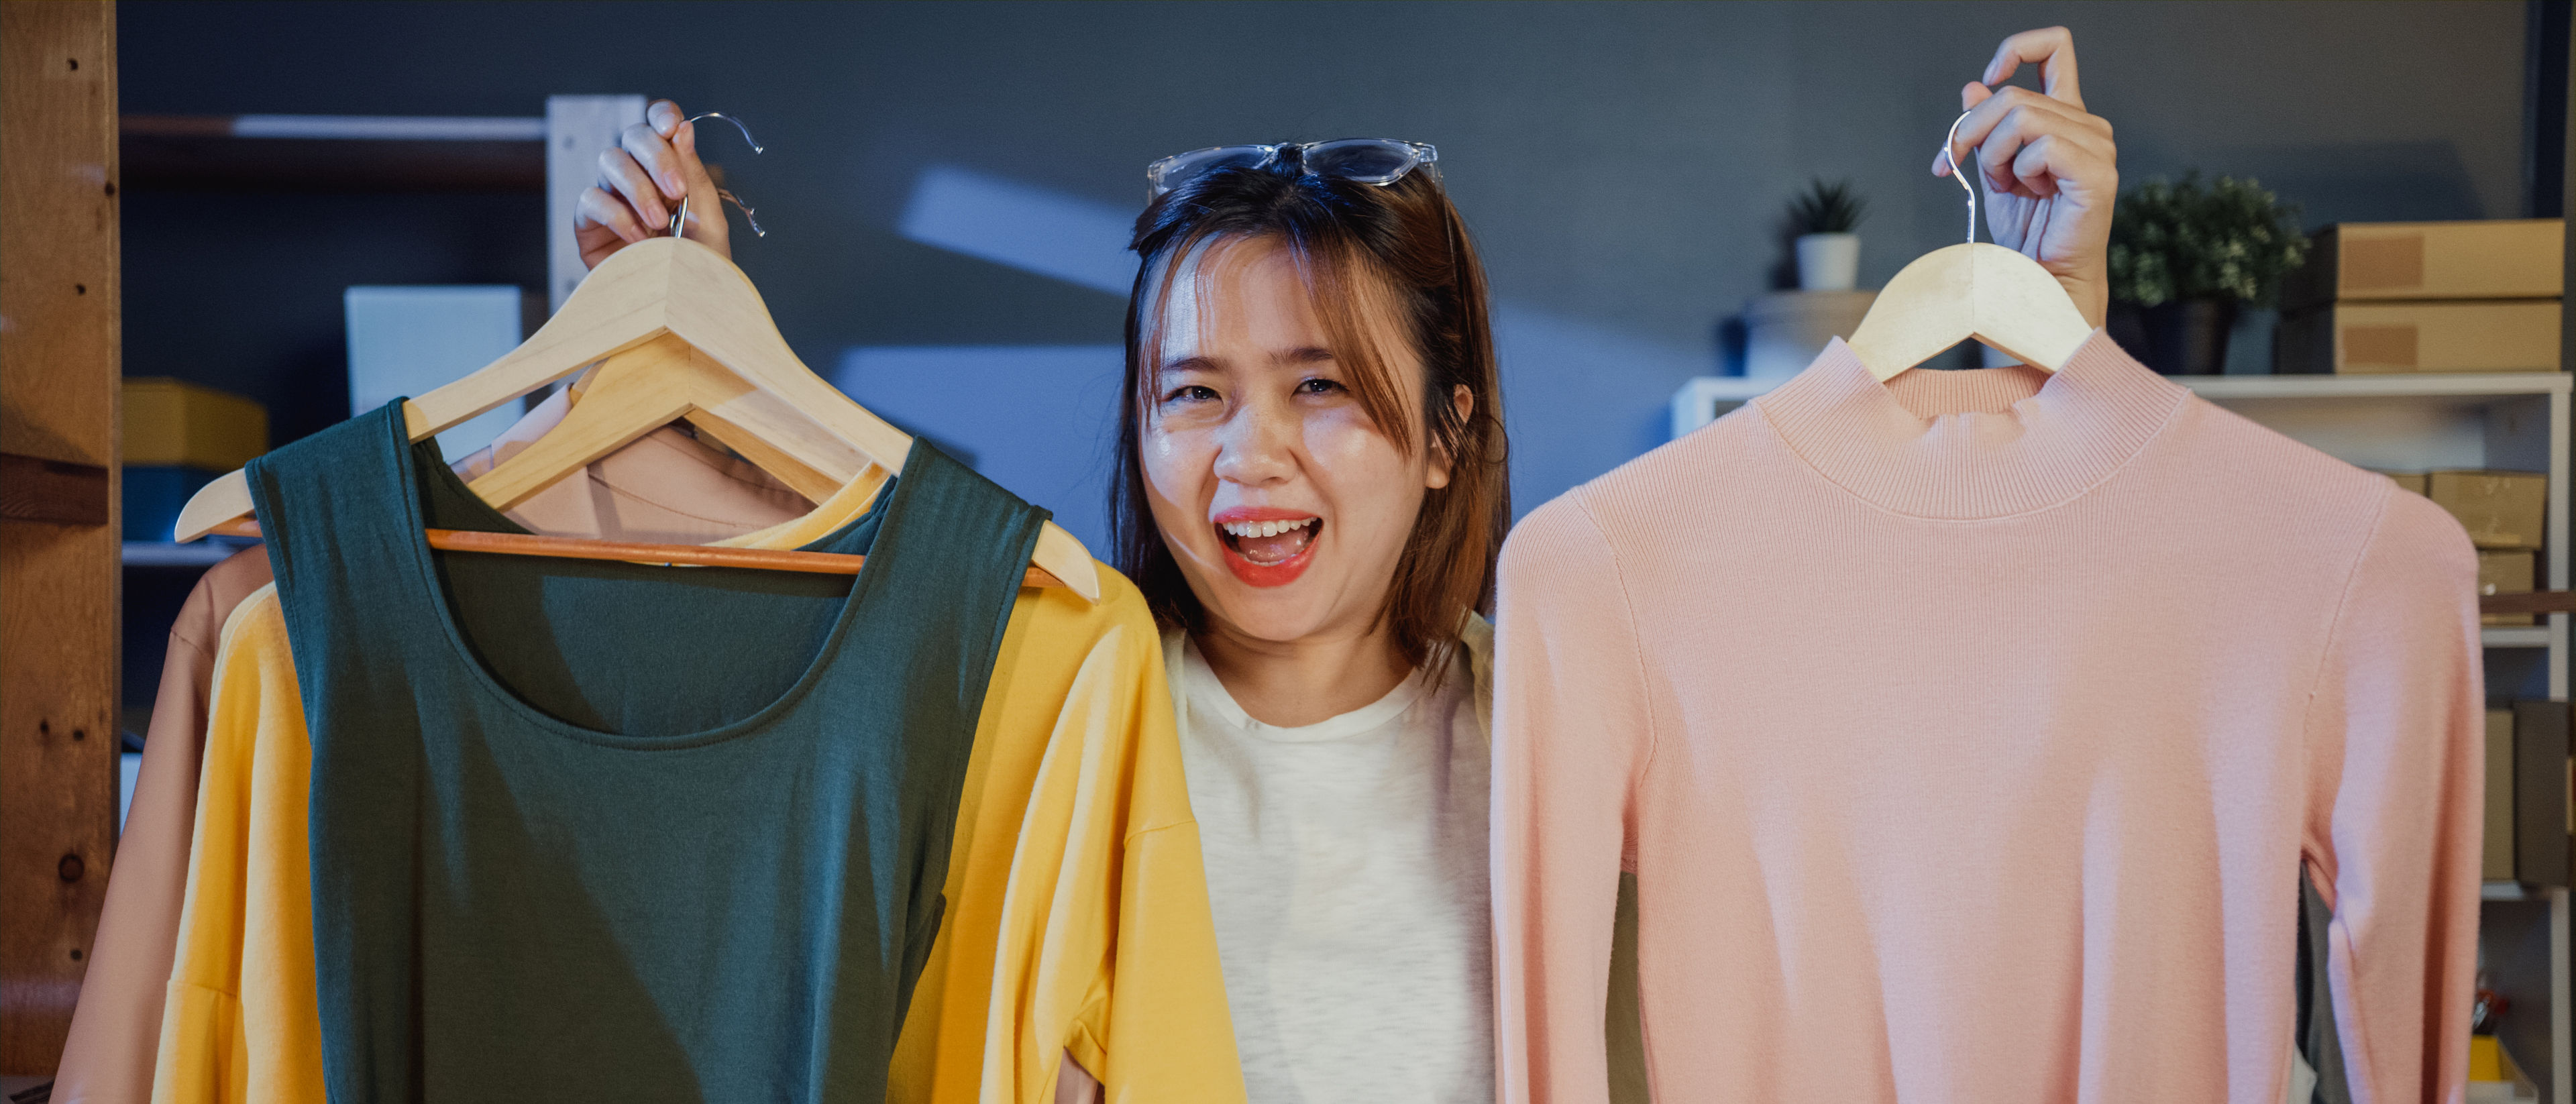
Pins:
x,y
1077,918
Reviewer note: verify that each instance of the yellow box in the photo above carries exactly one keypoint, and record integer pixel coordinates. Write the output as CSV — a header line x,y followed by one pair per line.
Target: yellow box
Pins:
x,y
2486,1059
2506,572
2506,335
2499,509
170,423
2485,259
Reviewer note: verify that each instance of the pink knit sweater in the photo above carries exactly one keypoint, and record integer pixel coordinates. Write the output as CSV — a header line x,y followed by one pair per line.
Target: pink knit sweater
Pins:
x,y
1966,734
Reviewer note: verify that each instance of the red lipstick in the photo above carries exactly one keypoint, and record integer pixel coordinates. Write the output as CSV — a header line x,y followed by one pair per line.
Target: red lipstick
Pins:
x,y
1272,573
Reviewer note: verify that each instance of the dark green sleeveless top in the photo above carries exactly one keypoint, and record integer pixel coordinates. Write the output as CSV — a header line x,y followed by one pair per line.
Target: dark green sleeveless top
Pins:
x,y
603,831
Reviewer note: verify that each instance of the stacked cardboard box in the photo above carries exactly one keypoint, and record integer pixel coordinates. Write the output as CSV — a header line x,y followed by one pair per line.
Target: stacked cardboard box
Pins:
x,y
2527,807
2505,514
178,437
2426,297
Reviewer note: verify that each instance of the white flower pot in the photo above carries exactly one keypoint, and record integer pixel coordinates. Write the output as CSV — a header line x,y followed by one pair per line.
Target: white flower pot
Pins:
x,y
1828,262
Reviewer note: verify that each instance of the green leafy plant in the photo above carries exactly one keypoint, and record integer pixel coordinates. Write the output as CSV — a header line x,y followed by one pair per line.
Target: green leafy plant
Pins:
x,y
2180,240
1826,207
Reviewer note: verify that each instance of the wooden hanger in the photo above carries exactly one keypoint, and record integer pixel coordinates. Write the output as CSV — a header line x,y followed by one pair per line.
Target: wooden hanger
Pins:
x,y
659,382
1974,291
679,331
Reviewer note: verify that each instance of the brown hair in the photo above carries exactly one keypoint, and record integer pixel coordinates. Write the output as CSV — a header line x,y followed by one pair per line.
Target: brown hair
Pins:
x,y
1407,239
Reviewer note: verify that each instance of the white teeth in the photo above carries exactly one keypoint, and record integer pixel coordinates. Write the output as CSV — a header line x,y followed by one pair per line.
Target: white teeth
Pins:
x,y
1263,528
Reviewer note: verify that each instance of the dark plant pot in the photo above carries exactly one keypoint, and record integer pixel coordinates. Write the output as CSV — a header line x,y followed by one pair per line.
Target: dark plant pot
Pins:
x,y
2186,337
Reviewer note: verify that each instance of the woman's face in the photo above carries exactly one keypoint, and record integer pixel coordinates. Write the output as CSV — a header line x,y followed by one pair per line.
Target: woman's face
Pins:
x,y
1285,505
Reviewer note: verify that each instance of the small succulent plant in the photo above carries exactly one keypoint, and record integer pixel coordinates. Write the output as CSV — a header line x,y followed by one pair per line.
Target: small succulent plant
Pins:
x,y
1826,207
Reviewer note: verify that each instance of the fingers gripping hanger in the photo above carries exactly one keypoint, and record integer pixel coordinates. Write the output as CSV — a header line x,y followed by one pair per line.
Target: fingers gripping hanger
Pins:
x,y
1974,291
674,331
680,218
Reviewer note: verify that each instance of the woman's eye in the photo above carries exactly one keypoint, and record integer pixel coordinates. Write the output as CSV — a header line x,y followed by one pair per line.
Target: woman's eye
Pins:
x,y
1191,392
1318,386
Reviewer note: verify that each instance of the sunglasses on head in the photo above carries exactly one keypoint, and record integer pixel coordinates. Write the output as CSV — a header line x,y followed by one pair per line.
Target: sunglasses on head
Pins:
x,y
1379,161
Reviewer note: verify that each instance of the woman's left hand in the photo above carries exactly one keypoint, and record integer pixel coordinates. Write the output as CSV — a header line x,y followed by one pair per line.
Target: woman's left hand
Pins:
x,y
2051,170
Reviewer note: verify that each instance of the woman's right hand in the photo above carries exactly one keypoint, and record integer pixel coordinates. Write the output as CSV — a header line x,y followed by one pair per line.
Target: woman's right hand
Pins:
x,y
641,181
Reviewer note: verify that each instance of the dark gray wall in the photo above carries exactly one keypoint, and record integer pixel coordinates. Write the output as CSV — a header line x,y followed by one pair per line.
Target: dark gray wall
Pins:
x,y
1622,164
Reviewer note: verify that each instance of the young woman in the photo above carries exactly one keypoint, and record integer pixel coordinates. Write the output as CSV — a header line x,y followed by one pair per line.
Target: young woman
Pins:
x,y
1311,491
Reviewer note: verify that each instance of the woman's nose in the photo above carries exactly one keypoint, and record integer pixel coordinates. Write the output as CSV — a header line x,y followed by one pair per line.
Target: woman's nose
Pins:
x,y
1255,447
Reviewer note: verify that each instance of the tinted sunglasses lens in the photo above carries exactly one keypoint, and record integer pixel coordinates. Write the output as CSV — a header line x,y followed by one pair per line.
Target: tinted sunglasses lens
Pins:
x,y
1171,172
1367,160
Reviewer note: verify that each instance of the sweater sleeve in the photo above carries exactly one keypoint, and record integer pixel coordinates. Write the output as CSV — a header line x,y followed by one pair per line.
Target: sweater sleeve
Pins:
x,y
2396,792
240,1023
1110,951
1572,736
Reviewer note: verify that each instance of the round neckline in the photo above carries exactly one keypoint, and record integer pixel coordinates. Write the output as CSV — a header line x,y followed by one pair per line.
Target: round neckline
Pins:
x,y
1201,685
1967,458
424,572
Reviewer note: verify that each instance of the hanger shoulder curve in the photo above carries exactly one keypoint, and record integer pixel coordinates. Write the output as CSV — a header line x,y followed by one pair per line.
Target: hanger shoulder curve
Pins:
x,y
625,400
715,308
216,505
2024,311
621,304
1062,555
1981,291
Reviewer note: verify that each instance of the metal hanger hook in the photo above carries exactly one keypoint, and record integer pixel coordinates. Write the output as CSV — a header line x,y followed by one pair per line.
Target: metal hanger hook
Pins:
x,y
680,217
1949,147
747,139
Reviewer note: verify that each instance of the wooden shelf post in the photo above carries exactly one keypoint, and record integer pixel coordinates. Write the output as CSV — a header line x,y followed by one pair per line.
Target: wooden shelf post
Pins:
x,y
58,544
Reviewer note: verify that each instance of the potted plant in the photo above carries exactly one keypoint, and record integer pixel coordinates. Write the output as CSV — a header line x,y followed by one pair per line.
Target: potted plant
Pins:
x,y
2185,257
1822,220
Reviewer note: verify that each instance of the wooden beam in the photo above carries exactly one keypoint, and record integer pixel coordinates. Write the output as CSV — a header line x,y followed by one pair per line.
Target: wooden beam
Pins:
x,y
35,489
58,582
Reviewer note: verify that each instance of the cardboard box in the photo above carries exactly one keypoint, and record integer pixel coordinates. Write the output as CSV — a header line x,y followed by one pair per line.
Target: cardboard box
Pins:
x,y
2488,259
2506,335
2507,572
2499,509
2540,806
2406,481
172,424
2499,839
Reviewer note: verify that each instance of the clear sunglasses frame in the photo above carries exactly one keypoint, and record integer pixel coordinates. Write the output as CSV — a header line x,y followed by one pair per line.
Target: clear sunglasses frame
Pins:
x,y
1171,172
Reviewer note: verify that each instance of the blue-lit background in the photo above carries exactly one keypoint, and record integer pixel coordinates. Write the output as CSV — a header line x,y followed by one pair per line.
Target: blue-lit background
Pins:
x,y
947,185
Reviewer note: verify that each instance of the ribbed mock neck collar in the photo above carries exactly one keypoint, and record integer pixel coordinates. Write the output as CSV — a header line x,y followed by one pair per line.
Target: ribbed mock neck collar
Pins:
x,y
1974,443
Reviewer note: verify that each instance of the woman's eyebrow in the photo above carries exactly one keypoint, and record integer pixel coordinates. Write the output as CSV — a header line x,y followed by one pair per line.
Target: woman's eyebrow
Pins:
x,y
1187,364
1311,354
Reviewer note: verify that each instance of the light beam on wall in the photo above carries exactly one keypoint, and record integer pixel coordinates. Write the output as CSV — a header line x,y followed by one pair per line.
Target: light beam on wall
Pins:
x,y
1076,240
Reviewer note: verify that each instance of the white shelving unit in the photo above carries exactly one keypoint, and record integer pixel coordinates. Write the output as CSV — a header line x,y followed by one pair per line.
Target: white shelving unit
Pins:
x,y
2515,421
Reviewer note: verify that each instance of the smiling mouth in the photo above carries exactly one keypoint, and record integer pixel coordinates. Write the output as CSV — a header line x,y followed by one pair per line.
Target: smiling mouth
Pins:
x,y
1270,543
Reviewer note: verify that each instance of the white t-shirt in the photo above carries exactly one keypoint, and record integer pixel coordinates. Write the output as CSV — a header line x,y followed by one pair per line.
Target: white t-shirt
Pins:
x,y
1346,868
